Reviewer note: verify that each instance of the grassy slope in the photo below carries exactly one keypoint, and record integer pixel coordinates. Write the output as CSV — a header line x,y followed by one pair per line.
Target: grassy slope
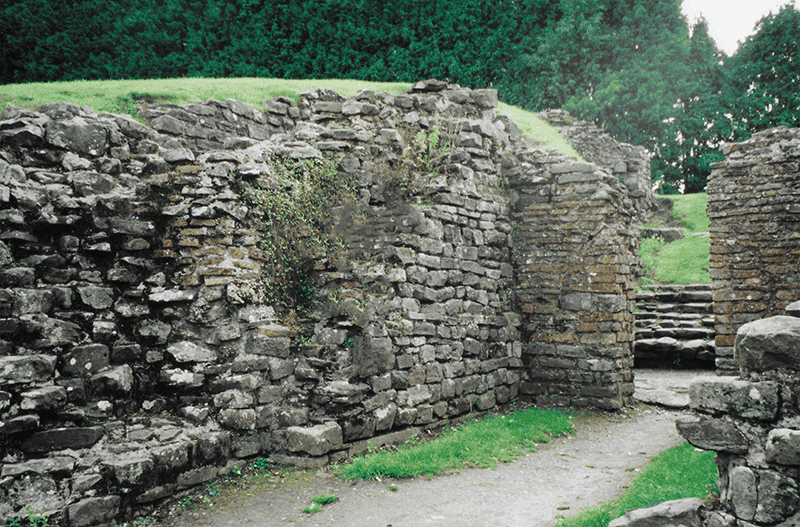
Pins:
x,y
683,261
118,96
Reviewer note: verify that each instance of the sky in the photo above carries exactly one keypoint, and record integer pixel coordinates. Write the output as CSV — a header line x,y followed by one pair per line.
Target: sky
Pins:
x,y
730,21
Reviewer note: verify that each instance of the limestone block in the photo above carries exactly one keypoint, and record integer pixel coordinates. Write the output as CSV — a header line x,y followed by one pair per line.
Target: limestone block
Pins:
x,y
99,298
43,399
63,438
179,378
676,513
197,476
769,344
187,351
738,398
372,355
783,446
720,435
30,368
57,467
23,423
23,132
213,446
233,399
238,419
31,301
315,440
85,360
116,380
129,469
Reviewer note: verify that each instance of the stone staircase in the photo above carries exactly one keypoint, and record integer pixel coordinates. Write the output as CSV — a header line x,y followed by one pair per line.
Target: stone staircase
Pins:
x,y
674,327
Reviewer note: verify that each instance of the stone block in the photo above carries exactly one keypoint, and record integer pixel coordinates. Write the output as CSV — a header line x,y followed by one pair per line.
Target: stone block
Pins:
x,y
676,513
93,511
783,446
47,398
315,440
372,355
77,135
720,435
117,380
735,397
769,344
186,351
130,469
29,368
85,360
62,438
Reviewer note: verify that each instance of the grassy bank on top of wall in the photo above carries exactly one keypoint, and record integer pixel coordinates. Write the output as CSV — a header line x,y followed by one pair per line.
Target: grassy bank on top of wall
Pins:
x,y
120,96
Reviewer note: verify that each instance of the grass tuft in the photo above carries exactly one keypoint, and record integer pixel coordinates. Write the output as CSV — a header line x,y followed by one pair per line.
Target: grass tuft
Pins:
x,y
680,472
477,444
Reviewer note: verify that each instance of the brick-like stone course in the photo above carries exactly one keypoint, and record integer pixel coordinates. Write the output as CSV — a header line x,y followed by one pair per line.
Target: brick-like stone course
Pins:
x,y
753,210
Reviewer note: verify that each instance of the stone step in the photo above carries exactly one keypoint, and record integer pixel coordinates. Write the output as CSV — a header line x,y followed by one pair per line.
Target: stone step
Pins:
x,y
676,333
668,349
691,307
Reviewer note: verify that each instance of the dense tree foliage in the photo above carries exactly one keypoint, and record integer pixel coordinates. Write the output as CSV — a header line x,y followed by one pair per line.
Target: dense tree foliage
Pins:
x,y
632,66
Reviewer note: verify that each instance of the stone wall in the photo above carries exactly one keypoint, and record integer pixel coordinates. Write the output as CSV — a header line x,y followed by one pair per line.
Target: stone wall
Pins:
x,y
630,163
141,353
575,256
754,213
753,423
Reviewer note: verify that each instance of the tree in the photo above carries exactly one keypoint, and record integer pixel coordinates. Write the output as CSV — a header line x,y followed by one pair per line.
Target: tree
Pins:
x,y
764,75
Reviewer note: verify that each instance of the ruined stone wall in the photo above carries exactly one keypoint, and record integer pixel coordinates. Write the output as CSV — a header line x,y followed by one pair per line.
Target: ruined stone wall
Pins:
x,y
753,423
754,213
630,163
575,255
140,350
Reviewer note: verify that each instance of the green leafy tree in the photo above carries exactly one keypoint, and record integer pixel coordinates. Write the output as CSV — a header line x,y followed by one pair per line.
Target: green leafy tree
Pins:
x,y
764,75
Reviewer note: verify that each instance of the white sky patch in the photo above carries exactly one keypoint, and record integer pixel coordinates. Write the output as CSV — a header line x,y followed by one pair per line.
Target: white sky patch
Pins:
x,y
730,21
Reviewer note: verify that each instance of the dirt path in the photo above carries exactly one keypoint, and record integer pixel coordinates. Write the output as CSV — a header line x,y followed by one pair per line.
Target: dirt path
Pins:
x,y
590,467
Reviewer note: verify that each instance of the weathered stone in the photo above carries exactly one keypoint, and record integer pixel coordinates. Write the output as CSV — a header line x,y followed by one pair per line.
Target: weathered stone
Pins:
x,y
86,360
56,466
23,423
783,446
676,513
99,298
88,183
769,344
720,435
181,378
93,511
197,476
47,398
186,351
30,368
130,469
77,135
62,438
238,419
315,440
372,356
739,398
117,380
